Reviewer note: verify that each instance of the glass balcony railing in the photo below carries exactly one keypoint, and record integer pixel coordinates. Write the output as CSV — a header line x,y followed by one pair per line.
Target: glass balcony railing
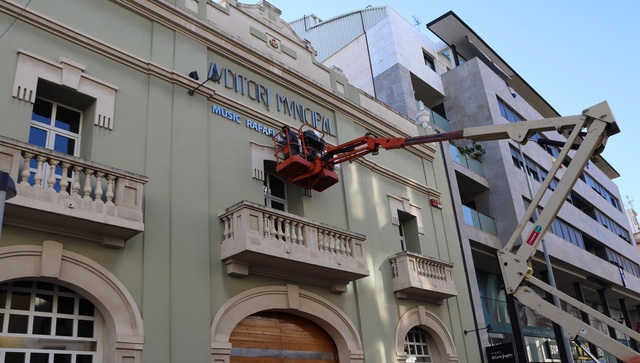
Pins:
x,y
440,122
437,120
466,161
480,221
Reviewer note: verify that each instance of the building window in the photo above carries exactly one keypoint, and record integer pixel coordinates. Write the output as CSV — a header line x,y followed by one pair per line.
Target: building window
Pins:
x,y
408,228
275,192
567,232
428,60
416,344
617,259
65,82
532,169
43,322
517,159
55,127
598,188
508,113
447,54
560,228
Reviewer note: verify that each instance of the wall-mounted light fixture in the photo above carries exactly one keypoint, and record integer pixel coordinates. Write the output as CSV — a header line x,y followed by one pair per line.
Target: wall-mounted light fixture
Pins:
x,y
488,327
214,75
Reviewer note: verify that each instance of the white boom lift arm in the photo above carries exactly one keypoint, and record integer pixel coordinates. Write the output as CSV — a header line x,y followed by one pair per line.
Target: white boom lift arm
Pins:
x,y
308,162
516,268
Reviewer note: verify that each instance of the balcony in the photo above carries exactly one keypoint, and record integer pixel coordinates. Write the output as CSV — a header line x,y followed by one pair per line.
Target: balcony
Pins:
x,y
263,241
422,278
466,161
479,221
94,202
434,118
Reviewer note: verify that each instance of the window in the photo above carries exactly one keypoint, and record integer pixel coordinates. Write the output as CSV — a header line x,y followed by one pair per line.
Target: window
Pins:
x,y
598,188
403,243
408,217
551,150
408,228
560,228
275,192
617,259
67,83
428,60
609,224
532,169
55,127
43,322
447,54
508,113
416,344
517,159
563,230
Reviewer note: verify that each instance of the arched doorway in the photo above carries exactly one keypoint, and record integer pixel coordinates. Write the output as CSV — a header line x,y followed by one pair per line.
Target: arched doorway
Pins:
x,y
288,299
280,338
81,279
43,322
423,336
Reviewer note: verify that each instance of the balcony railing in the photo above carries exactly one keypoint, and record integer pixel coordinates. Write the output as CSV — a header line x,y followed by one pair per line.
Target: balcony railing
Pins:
x,y
440,122
480,221
466,161
71,196
422,278
263,241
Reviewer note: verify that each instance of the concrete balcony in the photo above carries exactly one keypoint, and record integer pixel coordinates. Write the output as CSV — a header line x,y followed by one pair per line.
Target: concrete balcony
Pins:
x,y
422,278
263,241
93,201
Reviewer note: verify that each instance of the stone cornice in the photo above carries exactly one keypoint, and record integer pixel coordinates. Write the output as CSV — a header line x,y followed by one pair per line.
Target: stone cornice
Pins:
x,y
216,39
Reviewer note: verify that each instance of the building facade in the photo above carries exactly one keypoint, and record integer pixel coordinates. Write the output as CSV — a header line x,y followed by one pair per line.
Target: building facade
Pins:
x,y
464,83
150,224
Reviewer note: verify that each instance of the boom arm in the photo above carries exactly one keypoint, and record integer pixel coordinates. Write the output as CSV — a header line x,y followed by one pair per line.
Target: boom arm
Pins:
x,y
516,270
317,173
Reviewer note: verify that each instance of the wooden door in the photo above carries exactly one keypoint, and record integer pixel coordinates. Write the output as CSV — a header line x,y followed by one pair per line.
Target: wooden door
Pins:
x,y
273,337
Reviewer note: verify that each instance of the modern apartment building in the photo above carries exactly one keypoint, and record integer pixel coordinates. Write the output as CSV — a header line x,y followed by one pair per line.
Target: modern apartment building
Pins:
x,y
465,83
150,225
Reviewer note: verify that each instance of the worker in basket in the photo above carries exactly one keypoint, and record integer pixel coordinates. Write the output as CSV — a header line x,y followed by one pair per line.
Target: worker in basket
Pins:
x,y
289,141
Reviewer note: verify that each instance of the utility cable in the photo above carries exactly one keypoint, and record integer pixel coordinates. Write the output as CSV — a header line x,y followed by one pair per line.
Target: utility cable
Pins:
x,y
15,19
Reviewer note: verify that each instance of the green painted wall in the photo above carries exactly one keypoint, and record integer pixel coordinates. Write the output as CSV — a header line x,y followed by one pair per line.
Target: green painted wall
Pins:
x,y
198,164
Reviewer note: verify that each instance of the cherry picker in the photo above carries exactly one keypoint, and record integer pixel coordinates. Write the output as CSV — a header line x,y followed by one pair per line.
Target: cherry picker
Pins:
x,y
304,159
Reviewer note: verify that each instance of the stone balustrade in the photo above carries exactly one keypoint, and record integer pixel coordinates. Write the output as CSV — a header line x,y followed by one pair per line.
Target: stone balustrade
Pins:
x,y
101,203
422,278
263,241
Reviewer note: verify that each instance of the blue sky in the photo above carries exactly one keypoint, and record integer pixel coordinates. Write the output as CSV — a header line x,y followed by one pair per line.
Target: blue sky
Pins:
x,y
574,53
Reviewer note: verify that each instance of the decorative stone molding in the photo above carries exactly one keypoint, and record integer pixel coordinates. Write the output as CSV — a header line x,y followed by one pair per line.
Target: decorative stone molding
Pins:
x,y
260,153
262,241
100,203
422,278
404,204
445,349
65,73
291,299
124,328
